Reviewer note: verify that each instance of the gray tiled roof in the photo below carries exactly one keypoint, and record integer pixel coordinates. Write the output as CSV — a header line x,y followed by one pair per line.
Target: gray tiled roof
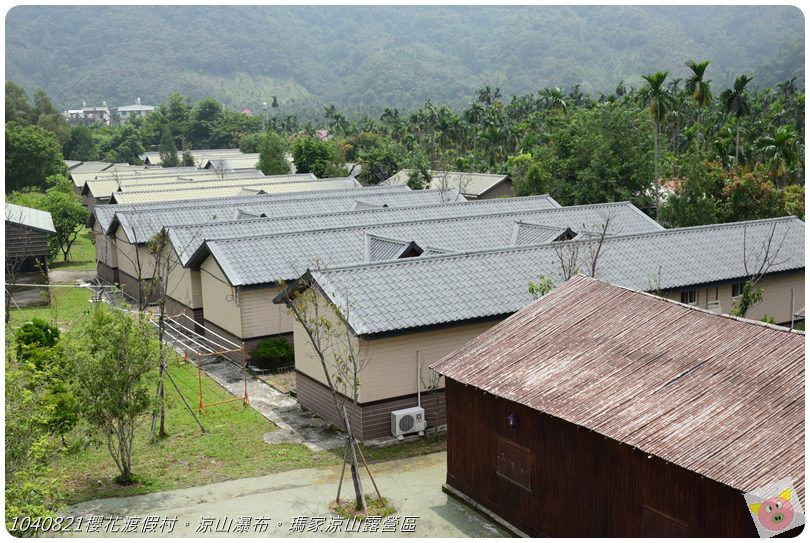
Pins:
x,y
268,259
105,187
188,240
230,188
105,214
380,248
526,233
470,183
148,222
30,217
445,289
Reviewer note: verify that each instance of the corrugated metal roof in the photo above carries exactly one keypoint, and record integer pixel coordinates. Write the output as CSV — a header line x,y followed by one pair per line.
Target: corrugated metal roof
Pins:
x,y
494,283
114,174
419,205
228,190
719,396
32,218
470,183
268,259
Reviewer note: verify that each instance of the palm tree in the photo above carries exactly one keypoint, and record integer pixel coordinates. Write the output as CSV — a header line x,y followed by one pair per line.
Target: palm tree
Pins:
x,y
735,102
554,98
659,100
698,88
779,151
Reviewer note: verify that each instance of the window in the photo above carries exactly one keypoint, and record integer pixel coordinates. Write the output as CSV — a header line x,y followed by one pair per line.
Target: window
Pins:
x,y
737,289
689,297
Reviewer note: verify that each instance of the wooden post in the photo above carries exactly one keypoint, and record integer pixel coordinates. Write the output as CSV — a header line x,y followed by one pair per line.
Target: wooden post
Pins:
x,y
342,470
244,373
358,483
370,476
199,378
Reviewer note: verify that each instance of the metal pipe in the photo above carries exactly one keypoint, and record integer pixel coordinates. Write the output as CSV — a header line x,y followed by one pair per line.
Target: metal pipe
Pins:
x,y
419,378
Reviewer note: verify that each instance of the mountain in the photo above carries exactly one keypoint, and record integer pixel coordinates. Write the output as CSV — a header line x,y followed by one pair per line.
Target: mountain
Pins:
x,y
367,57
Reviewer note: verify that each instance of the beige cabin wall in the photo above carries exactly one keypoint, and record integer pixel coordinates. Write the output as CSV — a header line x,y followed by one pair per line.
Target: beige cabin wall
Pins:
x,y
260,316
129,261
775,299
106,252
390,363
179,284
306,358
220,299
391,371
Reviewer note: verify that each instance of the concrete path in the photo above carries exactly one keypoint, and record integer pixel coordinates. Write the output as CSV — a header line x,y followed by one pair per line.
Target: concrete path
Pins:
x,y
413,485
295,425
71,276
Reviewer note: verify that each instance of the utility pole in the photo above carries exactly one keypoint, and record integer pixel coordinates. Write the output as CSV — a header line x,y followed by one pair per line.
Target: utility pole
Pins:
x,y
264,117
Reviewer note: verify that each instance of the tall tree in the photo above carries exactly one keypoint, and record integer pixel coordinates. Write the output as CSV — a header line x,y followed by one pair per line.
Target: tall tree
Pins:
x,y
32,154
273,155
735,102
659,101
168,149
49,118
780,152
18,108
699,89
81,146
69,218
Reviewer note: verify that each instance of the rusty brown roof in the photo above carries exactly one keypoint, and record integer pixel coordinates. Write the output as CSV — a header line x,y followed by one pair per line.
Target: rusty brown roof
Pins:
x,y
717,395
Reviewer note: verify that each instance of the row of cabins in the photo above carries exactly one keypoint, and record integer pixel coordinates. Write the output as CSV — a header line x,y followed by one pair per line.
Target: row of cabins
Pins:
x,y
619,397
232,257
442,301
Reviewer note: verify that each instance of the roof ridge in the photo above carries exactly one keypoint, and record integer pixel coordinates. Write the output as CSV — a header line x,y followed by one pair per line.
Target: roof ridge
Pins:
x,y
217,202
526,248
385,210
263,181
505,214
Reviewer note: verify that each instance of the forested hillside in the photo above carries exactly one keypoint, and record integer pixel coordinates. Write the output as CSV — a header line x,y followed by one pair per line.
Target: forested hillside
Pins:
x,y
362,59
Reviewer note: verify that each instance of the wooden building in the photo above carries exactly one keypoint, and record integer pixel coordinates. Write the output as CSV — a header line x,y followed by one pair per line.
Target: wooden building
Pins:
x,y
27,232
598,411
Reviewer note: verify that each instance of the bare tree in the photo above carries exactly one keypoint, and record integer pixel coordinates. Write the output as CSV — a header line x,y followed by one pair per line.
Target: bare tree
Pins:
x,y
757,264
583,253
160,250
220,167
430,380
342,359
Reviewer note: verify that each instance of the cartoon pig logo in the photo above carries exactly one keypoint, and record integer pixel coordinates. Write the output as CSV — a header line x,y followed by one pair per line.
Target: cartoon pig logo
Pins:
x,y
776,513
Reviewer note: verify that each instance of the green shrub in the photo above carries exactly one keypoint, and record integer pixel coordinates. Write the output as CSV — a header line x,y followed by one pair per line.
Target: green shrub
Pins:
x,y
35,334
275,353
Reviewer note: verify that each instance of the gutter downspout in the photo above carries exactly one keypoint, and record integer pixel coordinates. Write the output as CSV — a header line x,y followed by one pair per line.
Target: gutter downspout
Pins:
x,y
419,378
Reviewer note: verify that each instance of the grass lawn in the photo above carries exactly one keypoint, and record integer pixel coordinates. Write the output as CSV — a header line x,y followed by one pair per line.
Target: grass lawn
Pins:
x,y
82,254
70,304
232,448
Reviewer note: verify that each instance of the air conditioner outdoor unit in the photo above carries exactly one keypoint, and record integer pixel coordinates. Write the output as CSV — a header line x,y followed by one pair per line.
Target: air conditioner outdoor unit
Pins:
x,y
407,421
